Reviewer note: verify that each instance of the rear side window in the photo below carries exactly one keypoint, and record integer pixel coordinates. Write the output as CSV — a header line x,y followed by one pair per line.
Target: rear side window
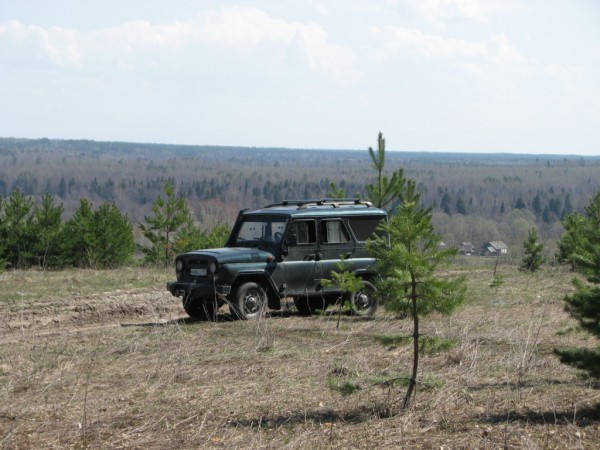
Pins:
x,y
364,227
333,232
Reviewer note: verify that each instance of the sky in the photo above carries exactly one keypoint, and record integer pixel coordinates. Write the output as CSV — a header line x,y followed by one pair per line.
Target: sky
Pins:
x,y
482,76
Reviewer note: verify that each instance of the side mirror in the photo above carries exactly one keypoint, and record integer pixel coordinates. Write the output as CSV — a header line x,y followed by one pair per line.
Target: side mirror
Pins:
x,y
291,240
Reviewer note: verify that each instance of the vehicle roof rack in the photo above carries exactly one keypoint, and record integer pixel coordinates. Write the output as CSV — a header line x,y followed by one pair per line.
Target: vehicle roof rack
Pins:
x,y
332,202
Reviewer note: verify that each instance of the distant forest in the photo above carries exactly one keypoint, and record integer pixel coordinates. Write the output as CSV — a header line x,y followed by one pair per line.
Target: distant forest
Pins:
x,y
475,197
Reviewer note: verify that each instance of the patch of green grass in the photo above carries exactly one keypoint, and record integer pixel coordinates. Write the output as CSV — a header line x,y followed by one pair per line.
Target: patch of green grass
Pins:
x,y
395,340
14,297
344,387
569,330
430,345
497,281
400,381
431,381
20,285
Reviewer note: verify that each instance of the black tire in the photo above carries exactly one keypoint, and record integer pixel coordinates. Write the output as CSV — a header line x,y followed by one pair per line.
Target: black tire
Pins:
x,y
249,301
307,306
200,309
365,301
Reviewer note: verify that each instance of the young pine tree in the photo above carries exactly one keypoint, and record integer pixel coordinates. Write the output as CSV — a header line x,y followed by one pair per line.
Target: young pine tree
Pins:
x,y
114,239
99,239
78,240
533,251
171,214
408,265
2,260
386,191
572,239
17,231
584,304
48,225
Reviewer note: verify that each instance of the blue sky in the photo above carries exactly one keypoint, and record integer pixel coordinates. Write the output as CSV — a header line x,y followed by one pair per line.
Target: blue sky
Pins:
x,y
432,75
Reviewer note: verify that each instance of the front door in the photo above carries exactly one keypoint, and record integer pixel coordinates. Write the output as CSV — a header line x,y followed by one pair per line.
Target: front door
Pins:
x,y
301,259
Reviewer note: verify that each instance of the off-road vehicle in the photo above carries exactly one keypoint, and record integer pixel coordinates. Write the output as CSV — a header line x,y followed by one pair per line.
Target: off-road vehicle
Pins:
x,y
280,251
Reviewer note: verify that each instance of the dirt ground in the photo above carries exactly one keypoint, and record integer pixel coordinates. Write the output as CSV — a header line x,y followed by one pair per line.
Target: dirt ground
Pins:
x,y
125,368
79,314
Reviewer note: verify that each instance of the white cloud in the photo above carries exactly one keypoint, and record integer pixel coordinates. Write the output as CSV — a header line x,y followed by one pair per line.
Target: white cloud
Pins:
x,y
502,51
56,45
335,60
398,40
234,29
435,10
319,6
495,53
140,34
246,28
243,27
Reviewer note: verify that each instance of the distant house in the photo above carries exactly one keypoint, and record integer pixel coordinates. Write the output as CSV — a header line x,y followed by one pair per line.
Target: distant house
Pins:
x,y
466,248
494,248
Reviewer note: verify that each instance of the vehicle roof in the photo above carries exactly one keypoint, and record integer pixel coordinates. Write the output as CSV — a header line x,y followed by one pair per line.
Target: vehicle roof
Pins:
x,y
320,208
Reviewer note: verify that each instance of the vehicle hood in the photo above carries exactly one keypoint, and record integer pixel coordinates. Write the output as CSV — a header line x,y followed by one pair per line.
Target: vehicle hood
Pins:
x,y
234,254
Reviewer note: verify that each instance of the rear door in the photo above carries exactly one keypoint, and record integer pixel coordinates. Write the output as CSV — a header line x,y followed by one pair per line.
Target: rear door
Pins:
x,y
335,243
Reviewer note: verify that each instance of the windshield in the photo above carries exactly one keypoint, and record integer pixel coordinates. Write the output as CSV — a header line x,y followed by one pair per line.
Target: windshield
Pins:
x,y
260,232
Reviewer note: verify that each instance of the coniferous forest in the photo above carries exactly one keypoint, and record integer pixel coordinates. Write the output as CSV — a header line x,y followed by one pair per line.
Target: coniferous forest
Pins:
x,y
476,198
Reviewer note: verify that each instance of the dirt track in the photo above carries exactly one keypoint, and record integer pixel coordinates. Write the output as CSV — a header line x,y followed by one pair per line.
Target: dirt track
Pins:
x,y
50,316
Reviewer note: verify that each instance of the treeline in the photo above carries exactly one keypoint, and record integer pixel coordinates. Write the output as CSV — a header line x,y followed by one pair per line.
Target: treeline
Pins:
x,y
35,235
475,198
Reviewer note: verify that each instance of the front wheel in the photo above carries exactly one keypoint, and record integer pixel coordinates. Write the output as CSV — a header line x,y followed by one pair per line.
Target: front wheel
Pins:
x,y
199,309
248,301
365,301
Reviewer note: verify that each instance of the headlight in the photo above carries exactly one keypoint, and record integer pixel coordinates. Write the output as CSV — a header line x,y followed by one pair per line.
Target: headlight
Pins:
x,y
179,265
212,267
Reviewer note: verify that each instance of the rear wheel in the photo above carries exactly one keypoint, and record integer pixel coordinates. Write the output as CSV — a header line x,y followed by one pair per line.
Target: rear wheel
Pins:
x,y
307,306
365,301
199,308
248,301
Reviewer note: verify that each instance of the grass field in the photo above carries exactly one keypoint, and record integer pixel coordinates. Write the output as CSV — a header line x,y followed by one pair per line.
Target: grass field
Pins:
x,y
107,359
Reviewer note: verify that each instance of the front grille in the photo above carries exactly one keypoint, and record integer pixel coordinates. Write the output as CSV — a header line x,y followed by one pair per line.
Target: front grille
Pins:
x,y
197,268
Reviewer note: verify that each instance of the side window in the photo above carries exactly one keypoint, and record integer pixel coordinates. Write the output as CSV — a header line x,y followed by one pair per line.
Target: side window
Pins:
x,y
305,231
364,227
333,232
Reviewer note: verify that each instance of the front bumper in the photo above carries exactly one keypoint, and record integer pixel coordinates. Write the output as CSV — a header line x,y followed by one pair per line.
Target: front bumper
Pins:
x,y
195,290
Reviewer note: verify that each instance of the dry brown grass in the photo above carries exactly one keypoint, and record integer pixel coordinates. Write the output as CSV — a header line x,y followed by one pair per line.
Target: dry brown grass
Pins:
x,y
125,369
